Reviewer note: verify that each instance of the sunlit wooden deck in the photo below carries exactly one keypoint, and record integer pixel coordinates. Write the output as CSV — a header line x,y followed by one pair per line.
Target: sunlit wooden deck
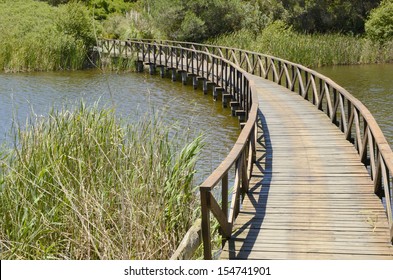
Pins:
x,y
309,169
309,196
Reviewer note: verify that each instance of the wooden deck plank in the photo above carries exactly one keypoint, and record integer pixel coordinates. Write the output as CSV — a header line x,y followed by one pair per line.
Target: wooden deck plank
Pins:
x,y
310,197
285,255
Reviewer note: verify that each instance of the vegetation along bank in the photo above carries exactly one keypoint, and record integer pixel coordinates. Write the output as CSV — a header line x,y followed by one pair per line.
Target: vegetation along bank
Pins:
x,y
80,184
61,34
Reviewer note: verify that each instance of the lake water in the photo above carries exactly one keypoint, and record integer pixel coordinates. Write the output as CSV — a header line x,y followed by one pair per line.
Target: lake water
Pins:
x,y
373,86
132,95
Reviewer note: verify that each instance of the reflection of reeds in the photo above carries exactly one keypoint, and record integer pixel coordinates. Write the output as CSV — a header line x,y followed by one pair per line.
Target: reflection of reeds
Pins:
x,y
310,49
78,185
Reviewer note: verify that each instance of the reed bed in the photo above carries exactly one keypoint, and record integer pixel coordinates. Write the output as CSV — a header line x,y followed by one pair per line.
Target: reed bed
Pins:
x,y
34,38
311,50
79,184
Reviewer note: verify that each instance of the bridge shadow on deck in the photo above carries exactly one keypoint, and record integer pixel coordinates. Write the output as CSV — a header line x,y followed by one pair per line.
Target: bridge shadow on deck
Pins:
x,y
259,184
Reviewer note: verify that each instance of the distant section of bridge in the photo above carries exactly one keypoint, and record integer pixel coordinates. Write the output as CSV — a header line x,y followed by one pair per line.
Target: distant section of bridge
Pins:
x,y
311,169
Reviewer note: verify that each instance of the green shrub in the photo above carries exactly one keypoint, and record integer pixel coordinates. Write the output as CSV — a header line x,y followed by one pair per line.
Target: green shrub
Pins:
x,y
379,26
74,20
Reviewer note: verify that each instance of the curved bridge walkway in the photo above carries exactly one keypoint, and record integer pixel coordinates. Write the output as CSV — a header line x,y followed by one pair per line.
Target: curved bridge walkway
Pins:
x,y
309,196
311,169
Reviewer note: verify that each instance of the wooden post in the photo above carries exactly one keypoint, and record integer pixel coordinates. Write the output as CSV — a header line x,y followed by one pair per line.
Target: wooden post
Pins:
x,y
139,66
225,99
215,93
184,77
195,82
224,199
173,74
205,86
162,71
205,209
152,69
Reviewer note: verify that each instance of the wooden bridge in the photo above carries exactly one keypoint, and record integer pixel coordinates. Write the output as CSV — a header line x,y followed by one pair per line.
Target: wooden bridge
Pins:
x,y
311,170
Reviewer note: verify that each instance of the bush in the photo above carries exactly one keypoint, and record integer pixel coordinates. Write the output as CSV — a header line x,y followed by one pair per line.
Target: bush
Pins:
x,y
379,26
74,20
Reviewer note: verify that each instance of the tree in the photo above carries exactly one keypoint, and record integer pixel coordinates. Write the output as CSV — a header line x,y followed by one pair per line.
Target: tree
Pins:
x,y
74,20
323,16
379,26
197,20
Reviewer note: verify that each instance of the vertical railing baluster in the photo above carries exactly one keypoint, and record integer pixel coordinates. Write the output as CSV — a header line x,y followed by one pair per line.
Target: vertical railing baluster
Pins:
x,y
224,198
206,235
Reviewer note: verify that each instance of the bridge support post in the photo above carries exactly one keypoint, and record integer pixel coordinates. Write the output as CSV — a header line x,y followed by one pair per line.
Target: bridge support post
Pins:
x,y
139,66
216,91
195,82
162,71
184,77
205,86
226,97
152,69
173,74
234,106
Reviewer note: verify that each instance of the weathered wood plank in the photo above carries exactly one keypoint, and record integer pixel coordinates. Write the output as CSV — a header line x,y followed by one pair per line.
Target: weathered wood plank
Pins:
x,y
257,255
310,196
311,247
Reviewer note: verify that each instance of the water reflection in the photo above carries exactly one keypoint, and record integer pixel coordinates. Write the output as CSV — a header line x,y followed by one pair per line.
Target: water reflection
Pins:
x,y
132,95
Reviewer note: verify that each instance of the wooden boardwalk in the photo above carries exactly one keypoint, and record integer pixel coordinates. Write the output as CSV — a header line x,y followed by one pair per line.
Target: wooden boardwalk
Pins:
x,y
309,196
310,162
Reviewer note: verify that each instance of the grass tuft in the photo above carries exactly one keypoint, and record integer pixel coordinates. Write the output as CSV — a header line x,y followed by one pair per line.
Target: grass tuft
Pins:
x,y
78,184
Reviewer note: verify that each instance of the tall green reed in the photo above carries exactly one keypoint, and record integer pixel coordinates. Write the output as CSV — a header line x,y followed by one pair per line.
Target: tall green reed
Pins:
x,y
310,49
33,37
79,184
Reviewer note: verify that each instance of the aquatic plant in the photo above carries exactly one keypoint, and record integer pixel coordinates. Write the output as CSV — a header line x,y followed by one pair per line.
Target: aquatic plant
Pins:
x,y
80,184
38,37
309,49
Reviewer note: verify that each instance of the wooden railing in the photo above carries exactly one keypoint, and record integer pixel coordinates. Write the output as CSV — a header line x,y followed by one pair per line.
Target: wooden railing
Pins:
x,y
345,111
233,81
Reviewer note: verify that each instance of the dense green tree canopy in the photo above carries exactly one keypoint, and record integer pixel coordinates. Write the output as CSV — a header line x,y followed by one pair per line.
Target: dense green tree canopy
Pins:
x,y
198,20
321,15
379,27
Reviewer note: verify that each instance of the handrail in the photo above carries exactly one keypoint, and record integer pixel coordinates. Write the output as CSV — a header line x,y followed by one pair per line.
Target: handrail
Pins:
x,y
234,81
345,111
